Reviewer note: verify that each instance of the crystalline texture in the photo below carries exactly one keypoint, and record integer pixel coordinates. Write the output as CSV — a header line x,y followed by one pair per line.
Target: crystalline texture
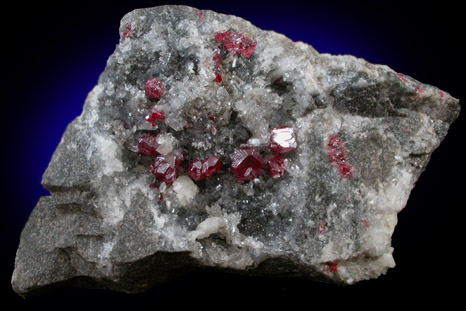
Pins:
x,y
247,164
239,105
283,139
154,89
276,167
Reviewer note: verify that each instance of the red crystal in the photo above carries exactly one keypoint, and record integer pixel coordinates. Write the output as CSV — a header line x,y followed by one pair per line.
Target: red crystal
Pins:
x,y
364,222
321,227
336,153
154,115
165,168
247,164
198,170
234,42
211,165
127,30
200,16
218,78
148,145
154,89
402,77
283,139
276,167
331,267
195,170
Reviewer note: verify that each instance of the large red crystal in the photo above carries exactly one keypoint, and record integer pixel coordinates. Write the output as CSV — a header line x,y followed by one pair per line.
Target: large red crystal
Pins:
x,y
165,168
148,145
283,139
198,170
234,42
276,167
336,152
247,164
154,89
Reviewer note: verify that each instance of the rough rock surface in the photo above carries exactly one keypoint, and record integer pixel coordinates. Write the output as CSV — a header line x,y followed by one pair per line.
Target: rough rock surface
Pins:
x,y
128,210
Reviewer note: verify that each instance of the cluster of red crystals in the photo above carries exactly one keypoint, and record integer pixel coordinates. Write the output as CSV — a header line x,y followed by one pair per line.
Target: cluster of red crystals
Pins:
x,y
165,168
276,167
331,267
247,164
418,90
154,115
441,94
198,170
217,60
336,153
283,139
148,145
154,89
127,30
234,42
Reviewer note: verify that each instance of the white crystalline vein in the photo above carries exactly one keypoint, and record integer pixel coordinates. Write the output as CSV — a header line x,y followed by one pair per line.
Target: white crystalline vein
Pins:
x,y
108,151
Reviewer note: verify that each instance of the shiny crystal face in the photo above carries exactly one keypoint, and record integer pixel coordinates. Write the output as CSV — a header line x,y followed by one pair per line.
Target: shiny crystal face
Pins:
x,y
247,164
154,89
283,139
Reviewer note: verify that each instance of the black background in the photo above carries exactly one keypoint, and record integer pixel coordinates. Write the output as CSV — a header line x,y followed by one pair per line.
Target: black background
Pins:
x,y
56,51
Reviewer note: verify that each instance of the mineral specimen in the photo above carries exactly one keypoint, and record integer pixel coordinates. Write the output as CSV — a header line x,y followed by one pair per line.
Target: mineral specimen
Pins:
x,y
210,143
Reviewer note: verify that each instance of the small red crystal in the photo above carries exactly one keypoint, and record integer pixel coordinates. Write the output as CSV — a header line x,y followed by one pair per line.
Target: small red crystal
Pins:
x,y
283,139
247,164
154,89
364,222
276,167
402,77
218,78
211,165
336,153
331,267
165,168
154,115
200,16
321,227
198,170
148,145
217,61
234,42
127,30
195,170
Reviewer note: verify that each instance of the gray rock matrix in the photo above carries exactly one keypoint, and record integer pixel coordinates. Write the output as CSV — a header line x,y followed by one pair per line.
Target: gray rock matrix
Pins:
x,y
104,225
